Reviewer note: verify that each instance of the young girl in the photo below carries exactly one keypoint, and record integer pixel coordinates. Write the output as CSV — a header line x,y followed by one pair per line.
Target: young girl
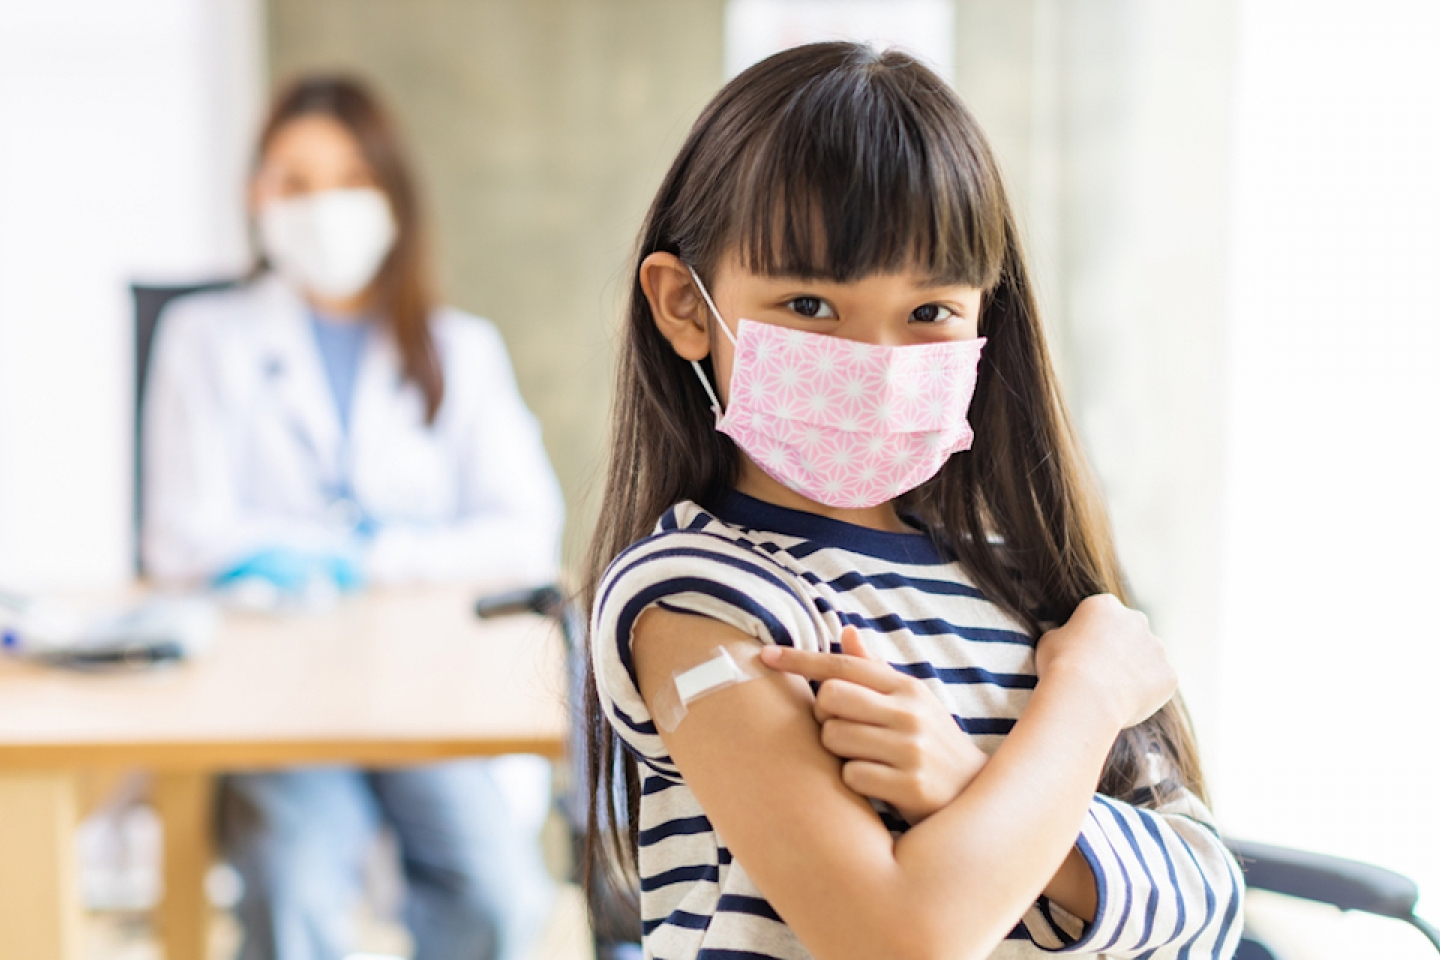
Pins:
x,y
937,732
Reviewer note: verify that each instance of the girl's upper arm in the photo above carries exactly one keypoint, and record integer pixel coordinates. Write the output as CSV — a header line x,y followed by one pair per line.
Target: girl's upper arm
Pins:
x,y
751,753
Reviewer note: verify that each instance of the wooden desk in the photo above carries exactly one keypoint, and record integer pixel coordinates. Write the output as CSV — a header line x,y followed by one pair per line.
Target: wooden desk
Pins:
x,y
389,678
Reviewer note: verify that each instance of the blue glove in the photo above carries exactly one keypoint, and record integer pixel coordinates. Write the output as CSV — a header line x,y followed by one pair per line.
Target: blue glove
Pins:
x,y
292,570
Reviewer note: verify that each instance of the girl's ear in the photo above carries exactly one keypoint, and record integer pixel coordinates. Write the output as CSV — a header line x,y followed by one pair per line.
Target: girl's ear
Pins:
x,y
675,303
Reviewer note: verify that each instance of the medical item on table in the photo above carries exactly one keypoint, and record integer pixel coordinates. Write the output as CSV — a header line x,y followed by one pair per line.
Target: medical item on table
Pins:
x,y
719,672
281,579
150,631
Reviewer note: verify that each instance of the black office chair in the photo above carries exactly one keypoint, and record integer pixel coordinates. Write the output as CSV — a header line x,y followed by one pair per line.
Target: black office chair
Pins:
x,y
616,923
1346,884
150,303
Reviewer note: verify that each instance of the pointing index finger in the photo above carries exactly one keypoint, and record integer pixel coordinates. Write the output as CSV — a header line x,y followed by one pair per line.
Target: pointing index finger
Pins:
x,y
813,665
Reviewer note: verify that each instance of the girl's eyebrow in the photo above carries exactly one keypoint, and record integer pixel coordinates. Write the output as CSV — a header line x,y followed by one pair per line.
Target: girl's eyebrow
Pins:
x,y
796,278
927,283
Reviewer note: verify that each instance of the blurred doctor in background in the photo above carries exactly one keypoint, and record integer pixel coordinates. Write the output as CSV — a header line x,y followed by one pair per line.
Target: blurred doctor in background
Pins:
x,y
324,425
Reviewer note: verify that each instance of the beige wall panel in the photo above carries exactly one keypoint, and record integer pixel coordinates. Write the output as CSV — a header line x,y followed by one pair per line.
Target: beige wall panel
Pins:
x,y
541,129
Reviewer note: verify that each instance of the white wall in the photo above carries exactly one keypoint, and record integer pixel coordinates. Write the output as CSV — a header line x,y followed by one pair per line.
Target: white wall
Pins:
x,y
1235,213
1330,638
1111,120
122,131
1138,132
754,29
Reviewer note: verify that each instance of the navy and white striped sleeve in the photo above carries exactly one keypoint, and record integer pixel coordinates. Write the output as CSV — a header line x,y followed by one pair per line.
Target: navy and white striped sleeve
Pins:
x,y
1167,885
688,572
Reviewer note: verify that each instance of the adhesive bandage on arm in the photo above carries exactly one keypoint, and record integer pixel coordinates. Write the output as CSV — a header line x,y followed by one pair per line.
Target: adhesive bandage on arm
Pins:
x,y
720,671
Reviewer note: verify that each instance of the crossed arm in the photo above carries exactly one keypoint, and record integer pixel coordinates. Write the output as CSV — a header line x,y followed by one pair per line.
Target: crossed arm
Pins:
x,y
958,881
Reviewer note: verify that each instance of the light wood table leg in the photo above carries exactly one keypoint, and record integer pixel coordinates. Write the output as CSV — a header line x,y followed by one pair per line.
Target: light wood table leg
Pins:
x,y
184,802
39,888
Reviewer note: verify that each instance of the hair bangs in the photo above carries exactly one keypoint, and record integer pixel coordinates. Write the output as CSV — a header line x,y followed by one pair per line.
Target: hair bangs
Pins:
x,y
870,170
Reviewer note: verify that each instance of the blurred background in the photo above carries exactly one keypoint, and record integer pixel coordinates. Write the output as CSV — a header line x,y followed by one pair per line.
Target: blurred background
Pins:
x,y
1231,206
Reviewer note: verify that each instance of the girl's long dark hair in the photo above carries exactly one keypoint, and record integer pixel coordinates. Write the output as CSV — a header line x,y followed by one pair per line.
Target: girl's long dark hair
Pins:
x,y
833,161
403,290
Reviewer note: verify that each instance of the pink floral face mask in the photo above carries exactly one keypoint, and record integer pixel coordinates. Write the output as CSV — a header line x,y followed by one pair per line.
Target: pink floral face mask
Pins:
x,y
846,424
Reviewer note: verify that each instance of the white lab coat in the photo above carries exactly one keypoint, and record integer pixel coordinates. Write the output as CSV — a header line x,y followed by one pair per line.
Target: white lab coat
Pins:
x,y
243,449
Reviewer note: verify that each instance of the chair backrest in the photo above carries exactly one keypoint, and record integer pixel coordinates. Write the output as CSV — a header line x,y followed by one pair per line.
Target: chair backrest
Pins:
x,y
150,303
1346,884
614,911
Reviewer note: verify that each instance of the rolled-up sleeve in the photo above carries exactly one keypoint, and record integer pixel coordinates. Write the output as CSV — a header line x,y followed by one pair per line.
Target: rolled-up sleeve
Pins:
x,y
1167,886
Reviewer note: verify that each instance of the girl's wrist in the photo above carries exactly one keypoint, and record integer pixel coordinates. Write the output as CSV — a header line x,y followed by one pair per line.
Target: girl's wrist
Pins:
x,y
1087,694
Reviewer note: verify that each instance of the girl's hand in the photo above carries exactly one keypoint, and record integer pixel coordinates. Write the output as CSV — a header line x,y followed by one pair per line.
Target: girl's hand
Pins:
x,y
896,740
1109,647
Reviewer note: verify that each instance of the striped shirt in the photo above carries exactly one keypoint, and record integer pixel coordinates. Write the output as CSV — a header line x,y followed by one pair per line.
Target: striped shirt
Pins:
x,y
1167,886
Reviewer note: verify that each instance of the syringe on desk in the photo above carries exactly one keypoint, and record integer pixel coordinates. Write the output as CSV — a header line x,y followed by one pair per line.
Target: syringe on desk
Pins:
x,y
151,631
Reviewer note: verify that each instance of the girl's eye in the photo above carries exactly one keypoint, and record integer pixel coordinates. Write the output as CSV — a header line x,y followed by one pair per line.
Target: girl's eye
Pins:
x,y
931,313
811,307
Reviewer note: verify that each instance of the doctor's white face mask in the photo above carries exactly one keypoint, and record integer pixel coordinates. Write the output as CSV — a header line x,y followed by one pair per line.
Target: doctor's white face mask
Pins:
x,y
331,242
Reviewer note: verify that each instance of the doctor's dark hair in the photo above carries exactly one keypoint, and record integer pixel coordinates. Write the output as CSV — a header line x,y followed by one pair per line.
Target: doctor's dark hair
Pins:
x,y
835,162
403,290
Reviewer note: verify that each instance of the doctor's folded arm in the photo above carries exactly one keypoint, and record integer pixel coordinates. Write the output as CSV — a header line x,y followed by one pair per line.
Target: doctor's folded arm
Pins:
x,y
328,419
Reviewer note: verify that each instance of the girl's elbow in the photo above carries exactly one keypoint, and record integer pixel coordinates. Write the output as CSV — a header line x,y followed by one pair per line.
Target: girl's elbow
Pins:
x,y
908,945
912,947
934,934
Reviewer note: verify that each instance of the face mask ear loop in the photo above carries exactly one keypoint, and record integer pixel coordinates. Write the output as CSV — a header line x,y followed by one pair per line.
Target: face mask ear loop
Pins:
x,y
715,312
705,382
